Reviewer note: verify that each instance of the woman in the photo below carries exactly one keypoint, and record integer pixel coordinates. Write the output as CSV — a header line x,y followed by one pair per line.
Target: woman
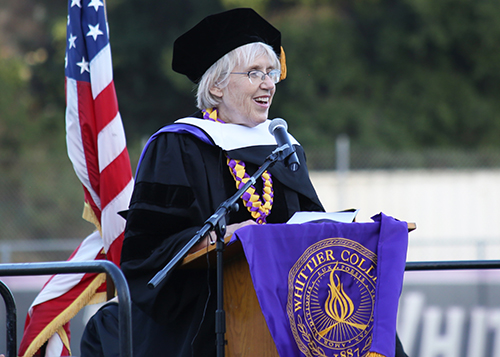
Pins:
x,y
189,168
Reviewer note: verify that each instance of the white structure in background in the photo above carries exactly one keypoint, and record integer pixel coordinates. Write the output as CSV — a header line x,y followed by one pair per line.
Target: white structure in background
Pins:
x,y
456,211
442,314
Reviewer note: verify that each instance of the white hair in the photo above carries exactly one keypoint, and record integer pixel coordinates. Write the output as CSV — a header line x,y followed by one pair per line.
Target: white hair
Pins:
x,y
218,73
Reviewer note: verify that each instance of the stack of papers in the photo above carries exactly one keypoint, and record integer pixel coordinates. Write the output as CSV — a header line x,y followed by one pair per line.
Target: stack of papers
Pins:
x,y
346,216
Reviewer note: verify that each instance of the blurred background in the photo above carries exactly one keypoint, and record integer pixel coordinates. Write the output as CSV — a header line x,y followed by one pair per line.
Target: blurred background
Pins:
x,y
396,103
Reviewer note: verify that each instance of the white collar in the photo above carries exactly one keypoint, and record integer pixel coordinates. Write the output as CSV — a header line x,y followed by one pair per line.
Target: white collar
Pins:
x,y
233,136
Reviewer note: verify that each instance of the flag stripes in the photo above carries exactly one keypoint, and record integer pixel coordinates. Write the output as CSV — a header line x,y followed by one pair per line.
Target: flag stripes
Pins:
x,y
96,146
62,296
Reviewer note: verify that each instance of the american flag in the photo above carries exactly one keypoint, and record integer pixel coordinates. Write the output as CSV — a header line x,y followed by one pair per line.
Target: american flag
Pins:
x,y
95,134
97,149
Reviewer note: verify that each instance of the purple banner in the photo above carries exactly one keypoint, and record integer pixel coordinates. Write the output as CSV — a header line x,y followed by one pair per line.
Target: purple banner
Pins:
x,y
329,289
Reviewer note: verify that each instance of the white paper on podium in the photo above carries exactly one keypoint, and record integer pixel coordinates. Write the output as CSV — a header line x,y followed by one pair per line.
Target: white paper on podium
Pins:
x,y
346,216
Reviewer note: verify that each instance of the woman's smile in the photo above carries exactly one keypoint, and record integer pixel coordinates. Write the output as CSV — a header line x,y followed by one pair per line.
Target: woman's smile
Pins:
x,y
245,101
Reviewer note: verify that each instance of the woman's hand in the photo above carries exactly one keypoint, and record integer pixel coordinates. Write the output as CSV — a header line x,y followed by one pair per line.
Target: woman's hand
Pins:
x,y
212,237
233,227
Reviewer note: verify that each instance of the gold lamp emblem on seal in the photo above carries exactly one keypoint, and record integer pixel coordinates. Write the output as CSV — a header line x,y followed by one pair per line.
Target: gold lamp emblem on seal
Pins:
x,y
331,291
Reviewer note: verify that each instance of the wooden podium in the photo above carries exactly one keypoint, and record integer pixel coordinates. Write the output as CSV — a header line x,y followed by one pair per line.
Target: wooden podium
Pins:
x,y
247,333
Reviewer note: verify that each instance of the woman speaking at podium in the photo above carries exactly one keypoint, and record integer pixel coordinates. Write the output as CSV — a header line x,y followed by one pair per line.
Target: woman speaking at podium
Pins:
x,y
189,168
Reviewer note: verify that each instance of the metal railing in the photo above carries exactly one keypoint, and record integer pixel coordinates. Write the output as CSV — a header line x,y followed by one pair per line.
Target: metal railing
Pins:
x,y
453,265
11,313
125,320
49,268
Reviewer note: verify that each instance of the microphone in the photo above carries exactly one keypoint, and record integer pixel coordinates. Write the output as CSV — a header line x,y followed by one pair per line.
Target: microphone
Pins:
x,y
278,128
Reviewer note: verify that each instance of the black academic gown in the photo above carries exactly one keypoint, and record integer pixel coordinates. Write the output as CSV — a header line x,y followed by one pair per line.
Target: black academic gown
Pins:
x,y
180,182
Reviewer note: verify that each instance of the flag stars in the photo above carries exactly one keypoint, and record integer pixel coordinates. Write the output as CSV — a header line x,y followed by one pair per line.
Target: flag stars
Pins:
x,y
71,41
76,2
94,31
84,65
96,4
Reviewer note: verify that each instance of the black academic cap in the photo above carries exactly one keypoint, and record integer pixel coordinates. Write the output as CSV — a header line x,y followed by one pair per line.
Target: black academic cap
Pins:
x,y
214,36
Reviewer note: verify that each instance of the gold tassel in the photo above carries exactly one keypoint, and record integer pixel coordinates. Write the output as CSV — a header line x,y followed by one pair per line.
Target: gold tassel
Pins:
x,y
89,215
374,354
64,338
66,315
98,298
283,64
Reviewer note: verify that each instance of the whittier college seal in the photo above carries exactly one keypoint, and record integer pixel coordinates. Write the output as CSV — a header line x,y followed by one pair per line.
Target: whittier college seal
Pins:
x,y
331,294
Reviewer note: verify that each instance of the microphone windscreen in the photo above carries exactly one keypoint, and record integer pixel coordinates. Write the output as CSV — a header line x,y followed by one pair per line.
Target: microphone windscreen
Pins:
x,y
277,122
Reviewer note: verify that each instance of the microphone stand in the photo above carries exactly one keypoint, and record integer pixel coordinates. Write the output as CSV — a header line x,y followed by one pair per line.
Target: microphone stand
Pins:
x,y
217,222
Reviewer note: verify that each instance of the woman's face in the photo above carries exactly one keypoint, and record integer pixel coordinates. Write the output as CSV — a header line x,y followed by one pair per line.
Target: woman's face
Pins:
x,y
244,102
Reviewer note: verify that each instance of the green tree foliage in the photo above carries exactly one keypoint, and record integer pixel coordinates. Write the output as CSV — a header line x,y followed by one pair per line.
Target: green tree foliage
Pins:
x,y
142,35
14,101
390,73
39,193
393,74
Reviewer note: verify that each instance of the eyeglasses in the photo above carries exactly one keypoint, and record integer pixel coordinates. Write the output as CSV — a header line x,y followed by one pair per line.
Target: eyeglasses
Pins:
x,y
255,75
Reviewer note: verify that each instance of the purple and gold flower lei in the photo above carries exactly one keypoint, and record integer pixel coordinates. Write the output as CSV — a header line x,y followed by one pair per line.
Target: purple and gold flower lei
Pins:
x,y
258,207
